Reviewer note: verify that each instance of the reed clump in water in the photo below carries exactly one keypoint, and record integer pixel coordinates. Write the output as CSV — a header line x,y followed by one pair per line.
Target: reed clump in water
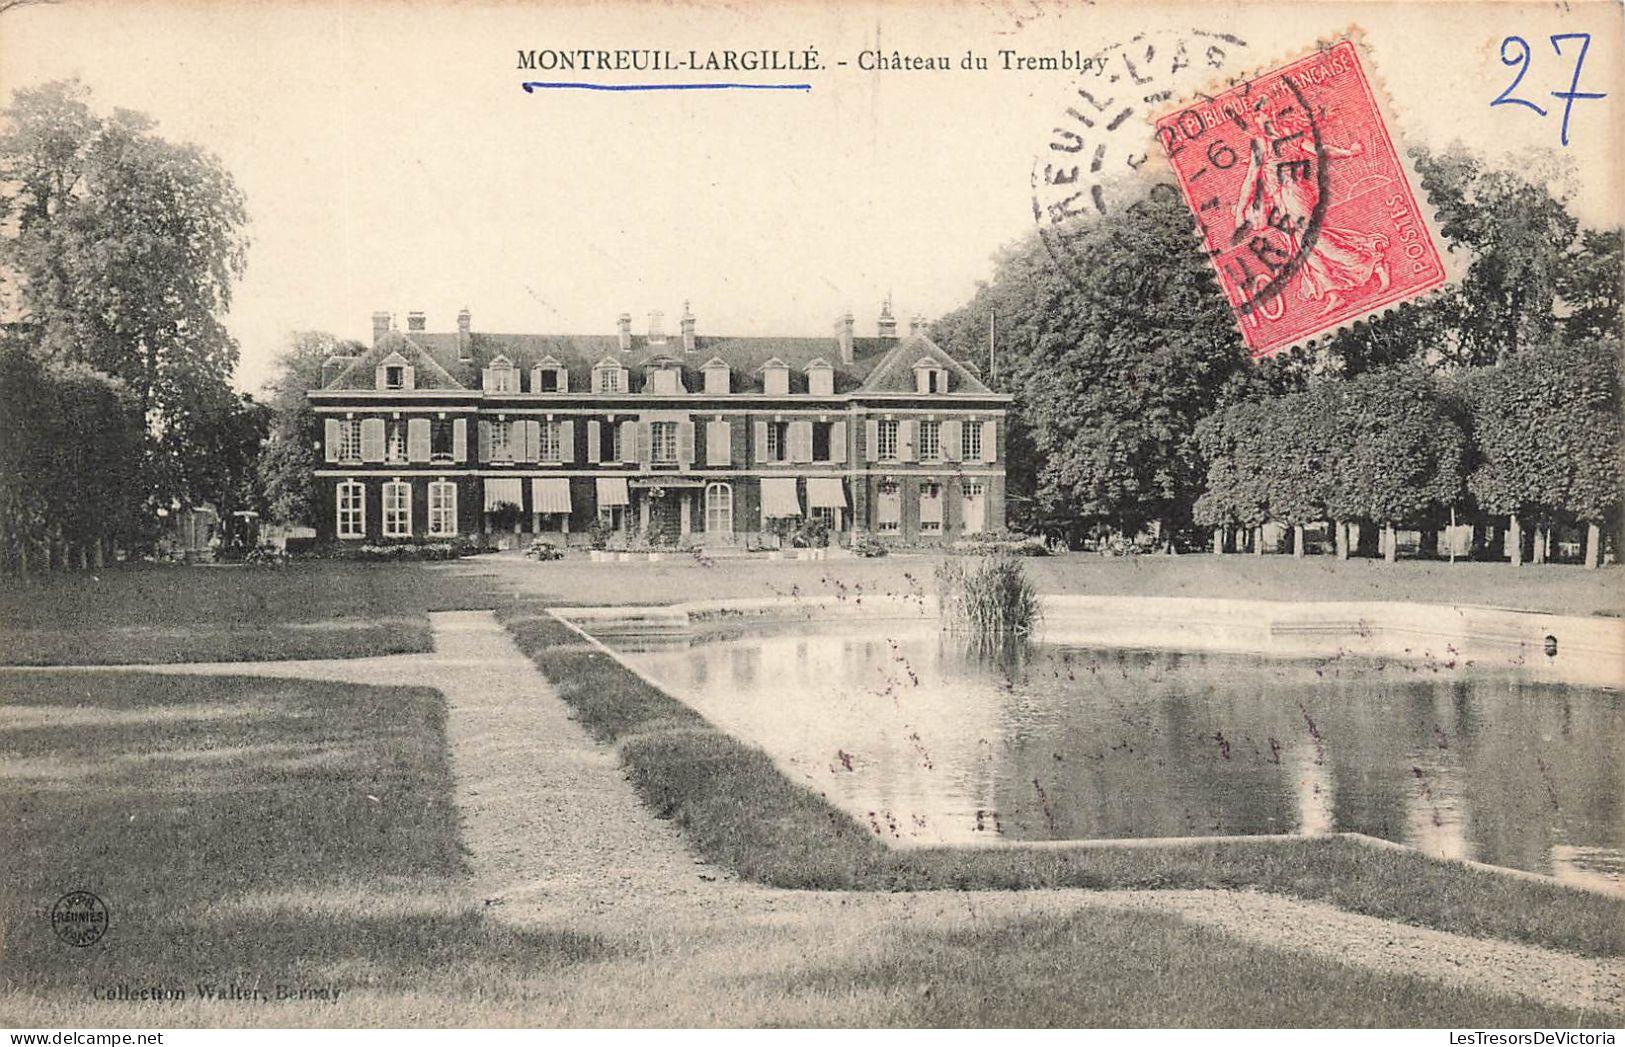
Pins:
x,y
993,600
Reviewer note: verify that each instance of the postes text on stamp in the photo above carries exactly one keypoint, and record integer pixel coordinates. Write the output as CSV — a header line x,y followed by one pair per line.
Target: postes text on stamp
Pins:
x,y
1302,198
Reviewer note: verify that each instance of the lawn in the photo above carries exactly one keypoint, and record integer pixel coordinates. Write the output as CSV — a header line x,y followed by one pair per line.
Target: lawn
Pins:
x,y
1554,588
737,810
240,831
144,614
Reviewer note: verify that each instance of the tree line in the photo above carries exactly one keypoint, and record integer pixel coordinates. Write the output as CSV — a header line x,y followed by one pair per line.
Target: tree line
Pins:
x,y
118,255
1137,407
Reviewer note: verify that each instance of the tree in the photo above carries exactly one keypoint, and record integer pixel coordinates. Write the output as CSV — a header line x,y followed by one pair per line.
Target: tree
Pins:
x,y
1112,361
123,254
288,463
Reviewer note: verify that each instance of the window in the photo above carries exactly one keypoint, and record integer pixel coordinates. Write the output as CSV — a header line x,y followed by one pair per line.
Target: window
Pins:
x,y
930,441
778,441
549,450
663,443
719,509
395,442
821,437
820,379
609,442
352,510
970,441
441,441
825,514
350,440
716,380
888,507
886,440
665,381
395,377
608,379
776,379
933,381
442,509
930,508
502,441
549,381
397,510
501,378
974,511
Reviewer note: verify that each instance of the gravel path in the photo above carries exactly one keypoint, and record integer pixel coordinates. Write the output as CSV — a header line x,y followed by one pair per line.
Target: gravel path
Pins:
x,y
556,835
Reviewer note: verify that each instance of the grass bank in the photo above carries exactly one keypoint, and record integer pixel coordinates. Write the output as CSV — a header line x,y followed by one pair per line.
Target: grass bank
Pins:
x,y
241,831
738,811
146,613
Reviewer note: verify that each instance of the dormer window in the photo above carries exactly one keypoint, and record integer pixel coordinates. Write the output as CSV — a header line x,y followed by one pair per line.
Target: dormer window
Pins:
x,y
500,377
776,378
820,378
664,379
394,372
930,376
608,376
717,377
549,376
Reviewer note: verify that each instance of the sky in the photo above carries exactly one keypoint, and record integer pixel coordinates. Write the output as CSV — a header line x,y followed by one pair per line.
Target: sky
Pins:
x,y
392,161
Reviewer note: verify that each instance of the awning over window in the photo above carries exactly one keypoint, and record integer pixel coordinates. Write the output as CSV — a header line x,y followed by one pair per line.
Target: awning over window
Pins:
x,y
825,492
779,496
503,489
612,491
550,494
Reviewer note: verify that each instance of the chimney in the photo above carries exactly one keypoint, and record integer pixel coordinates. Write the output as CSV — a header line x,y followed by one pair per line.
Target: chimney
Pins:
x,y
381,323
688,329
916,324
416,321
843,336
657,327
888,322
625,326
465,334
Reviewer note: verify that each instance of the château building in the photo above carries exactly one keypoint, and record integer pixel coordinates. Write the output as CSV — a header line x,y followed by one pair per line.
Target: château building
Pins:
x,y
686,439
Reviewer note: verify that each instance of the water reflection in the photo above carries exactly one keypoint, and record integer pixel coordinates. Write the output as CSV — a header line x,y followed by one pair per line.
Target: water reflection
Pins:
x,y
930,741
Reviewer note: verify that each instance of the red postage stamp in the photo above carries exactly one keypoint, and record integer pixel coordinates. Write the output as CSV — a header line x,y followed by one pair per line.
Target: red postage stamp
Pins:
x,y
1302,198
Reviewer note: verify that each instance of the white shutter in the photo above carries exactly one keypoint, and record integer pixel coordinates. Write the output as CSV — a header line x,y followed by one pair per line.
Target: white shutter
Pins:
x,y
459,439
801,441
417,439
567,442
530,440
905,441
837,442
871,440
595,437
952,440
718,443
685,443
485,441
990,441
372,439
629,442
761,442
330,439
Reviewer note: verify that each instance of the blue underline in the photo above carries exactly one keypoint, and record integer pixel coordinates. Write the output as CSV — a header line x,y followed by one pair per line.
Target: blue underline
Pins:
x,y
531,86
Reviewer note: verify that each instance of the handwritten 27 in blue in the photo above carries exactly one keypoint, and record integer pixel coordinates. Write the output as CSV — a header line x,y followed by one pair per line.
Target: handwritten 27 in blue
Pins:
x,y
1522,60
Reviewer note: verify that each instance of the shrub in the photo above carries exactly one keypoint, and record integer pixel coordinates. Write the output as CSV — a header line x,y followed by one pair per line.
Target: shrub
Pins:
x,y
996,600
868,545
543,550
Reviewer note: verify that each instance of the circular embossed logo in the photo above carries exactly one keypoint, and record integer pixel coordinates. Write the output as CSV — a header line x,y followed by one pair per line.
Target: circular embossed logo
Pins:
x,y
79,918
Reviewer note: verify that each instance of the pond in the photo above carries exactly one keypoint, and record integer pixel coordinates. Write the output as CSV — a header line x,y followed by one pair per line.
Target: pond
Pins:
x,y
928,743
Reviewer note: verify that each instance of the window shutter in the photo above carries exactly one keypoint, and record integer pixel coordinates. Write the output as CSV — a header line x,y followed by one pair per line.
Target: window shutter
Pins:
x,y
409,377
459,439
330,439
801,441
567,442
837,442
485,441
485,379
990,445
685,443
629,442
871,440
564,382
953,440
533,440
372,439
595,437
905,440
644,450
719,443
761,442
417,439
